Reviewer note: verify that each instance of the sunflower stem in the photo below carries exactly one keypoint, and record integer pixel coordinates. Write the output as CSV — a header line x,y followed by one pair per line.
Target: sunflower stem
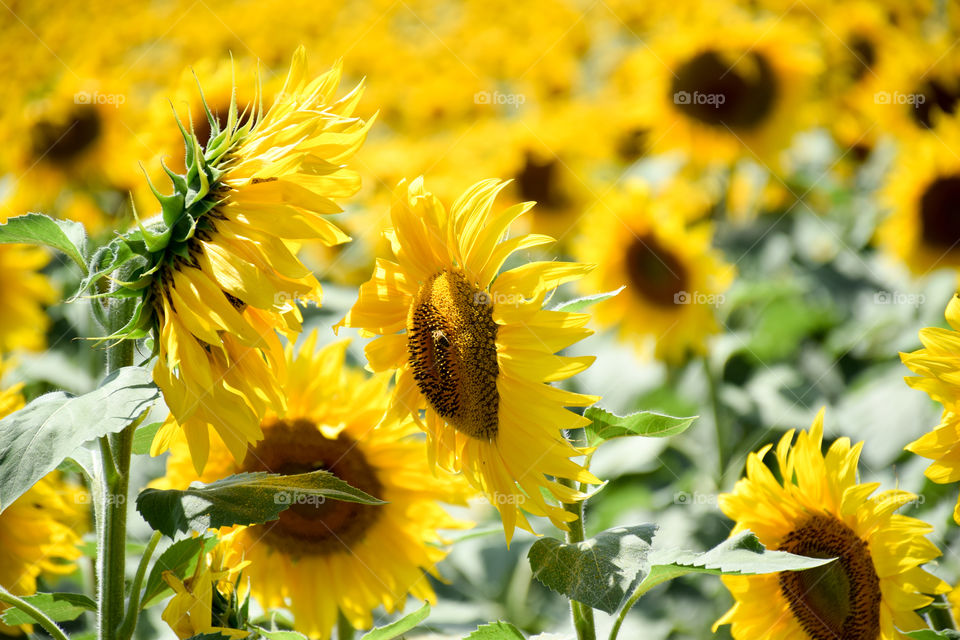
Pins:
x,y
115,451
582,614
133,607
940,615
723,437
42,619
345,630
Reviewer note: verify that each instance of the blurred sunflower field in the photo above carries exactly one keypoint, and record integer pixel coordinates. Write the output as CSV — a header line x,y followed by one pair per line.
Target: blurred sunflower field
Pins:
x,y
480,320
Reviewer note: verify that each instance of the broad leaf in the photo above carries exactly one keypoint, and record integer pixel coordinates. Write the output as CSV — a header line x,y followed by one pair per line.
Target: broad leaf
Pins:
x,y
399,627
600,572
575,306
245,498
743,554
606,426
65,236
59,607
180,558
930,634
496,631
38,437
279,635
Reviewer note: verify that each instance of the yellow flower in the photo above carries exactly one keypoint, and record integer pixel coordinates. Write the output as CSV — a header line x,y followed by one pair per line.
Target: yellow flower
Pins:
x,y
937,364
718,84
228,277
206,602
23,322
674,278
39,531
818,509
474,348
321,557
923,229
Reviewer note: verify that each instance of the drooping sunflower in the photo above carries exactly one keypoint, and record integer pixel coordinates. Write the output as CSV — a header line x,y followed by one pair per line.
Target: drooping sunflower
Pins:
x,y
319,558
39,531
23,322
818,509
207,602
923,229
675,280
718,84
937,364
473,348
221,275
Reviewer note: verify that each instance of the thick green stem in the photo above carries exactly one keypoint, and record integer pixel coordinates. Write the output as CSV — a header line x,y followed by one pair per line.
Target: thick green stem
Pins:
x,y
133,608
582,614
723,436
345,630
940,615
115,451
49,625
615,629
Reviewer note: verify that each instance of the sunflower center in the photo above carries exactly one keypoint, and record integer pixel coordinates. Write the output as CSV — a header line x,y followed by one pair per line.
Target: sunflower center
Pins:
x,y
537,181
864,56
62,142
453,353
655,271
940,212
313,526
836,600
937,96
738,95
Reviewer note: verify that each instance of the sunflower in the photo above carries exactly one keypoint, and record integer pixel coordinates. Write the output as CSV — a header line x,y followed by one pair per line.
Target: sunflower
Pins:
x,y
206,602
39,531
318,558
23,322
819,510
937,364
719,84
223,276
923,229
473,348
674,279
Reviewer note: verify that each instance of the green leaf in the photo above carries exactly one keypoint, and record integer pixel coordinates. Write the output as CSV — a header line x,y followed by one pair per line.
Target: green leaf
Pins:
x,y
38,437
60,607
180,558
245,498
599,572
34,228
575,306
606,426
399,627
930,634
143,437
496,631
743,554
279,635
